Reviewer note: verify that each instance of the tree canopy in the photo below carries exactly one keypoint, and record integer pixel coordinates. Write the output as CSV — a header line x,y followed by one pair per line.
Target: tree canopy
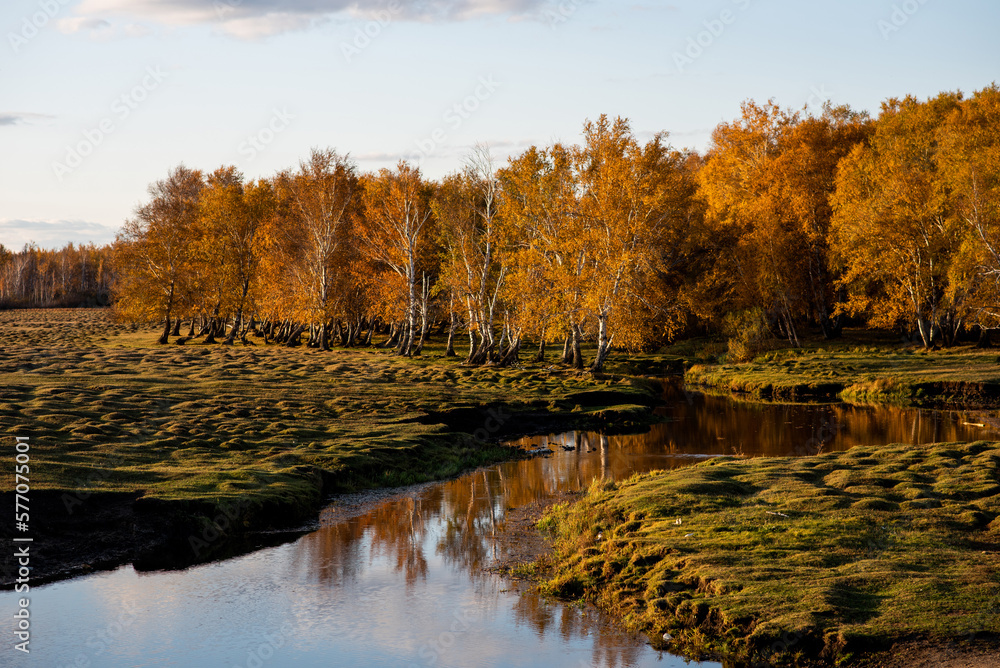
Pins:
x,y
801,219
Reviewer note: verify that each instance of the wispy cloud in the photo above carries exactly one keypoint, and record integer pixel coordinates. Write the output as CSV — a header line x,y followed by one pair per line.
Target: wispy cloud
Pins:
x,y
101,29
22,118
501,149
254,19
82,24
14,233
640,7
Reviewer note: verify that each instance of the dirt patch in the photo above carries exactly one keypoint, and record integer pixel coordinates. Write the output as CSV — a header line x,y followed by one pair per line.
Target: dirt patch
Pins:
x,y
518,539
976,654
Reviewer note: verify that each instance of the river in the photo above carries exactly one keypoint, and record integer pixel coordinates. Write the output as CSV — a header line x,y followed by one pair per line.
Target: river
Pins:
x,y
402,579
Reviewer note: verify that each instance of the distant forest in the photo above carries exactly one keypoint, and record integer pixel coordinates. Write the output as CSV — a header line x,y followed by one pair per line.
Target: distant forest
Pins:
x,y
791,221
71,277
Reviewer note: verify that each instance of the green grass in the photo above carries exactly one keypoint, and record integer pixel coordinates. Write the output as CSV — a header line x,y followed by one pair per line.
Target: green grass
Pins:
x,y
790,560
862,368
109,410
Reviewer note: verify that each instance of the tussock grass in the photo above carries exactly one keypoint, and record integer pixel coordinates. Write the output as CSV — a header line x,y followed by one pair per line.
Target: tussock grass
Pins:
x,y
109,410
859,369
793,560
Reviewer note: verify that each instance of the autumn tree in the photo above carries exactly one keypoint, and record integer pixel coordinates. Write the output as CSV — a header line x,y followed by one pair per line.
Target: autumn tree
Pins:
x,y
592,229
802,179
233,236
395,232
74,275
634,202
154,251
538,212
892,228
315,231
766,184
968,158
466,206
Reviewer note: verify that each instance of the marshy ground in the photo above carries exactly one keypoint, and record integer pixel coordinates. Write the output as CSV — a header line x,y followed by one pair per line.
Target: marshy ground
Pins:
x,y
134,444
793,560
116,419
862,367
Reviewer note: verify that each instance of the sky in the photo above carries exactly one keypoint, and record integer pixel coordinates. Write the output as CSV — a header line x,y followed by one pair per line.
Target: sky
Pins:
x,y
100,98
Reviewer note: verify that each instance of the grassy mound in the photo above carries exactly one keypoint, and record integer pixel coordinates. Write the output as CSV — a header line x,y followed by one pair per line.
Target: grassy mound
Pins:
x,y
109,410
190,430
861,371
793,560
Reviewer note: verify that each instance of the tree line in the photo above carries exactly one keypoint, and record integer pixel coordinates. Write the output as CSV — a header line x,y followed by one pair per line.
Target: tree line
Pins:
x,y
70,277
790,220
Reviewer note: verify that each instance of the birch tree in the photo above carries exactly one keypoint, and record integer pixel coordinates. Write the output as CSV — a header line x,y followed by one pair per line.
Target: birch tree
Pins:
x,y
395,233
317,205
633,206
891,225
155,251
466,206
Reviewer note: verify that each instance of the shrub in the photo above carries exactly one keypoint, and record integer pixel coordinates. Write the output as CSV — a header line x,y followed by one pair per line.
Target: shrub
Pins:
x,y
749,335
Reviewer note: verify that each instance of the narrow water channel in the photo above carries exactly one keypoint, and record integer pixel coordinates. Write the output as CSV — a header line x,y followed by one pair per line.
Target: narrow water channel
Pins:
x,y
404,581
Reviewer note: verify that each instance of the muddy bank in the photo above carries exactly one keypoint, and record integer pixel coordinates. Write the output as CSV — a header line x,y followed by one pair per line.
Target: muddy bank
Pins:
x,y
75,533
961,377
957,395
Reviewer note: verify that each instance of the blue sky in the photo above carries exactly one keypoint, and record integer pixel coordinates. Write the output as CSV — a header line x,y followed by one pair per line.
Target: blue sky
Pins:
x,y
98,98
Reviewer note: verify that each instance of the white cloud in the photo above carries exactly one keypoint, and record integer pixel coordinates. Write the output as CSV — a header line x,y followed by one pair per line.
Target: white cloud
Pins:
x,y
382,157
77,24
255,19
136,30
14,234
258,27
101,29
22,118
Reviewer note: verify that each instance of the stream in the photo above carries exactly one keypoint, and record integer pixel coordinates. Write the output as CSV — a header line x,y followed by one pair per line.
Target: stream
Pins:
x,y
402,579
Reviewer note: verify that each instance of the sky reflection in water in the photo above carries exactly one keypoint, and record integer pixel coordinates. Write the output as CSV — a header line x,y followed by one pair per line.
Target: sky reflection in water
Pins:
x,y
405,583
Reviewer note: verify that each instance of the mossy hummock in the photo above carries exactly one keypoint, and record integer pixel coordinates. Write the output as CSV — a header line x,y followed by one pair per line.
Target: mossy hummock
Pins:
x,y
793,561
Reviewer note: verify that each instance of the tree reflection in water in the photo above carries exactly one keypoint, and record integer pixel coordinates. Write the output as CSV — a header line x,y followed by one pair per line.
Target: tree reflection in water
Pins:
x,y
455,522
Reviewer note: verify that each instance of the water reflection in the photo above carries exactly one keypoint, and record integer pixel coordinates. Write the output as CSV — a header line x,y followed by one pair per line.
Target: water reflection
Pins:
x,y
404,582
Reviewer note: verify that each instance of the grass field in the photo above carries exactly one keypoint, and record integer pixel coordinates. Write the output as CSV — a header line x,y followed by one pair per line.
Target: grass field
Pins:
x,y
790,560
862,367
110,411
195,420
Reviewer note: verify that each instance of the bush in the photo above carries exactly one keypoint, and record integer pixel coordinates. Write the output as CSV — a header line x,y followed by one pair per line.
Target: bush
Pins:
x,y
749,335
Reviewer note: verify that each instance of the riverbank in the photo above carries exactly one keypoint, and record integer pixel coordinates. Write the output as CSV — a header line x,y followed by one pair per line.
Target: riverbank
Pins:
x,y
821,560
170,455
862,368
